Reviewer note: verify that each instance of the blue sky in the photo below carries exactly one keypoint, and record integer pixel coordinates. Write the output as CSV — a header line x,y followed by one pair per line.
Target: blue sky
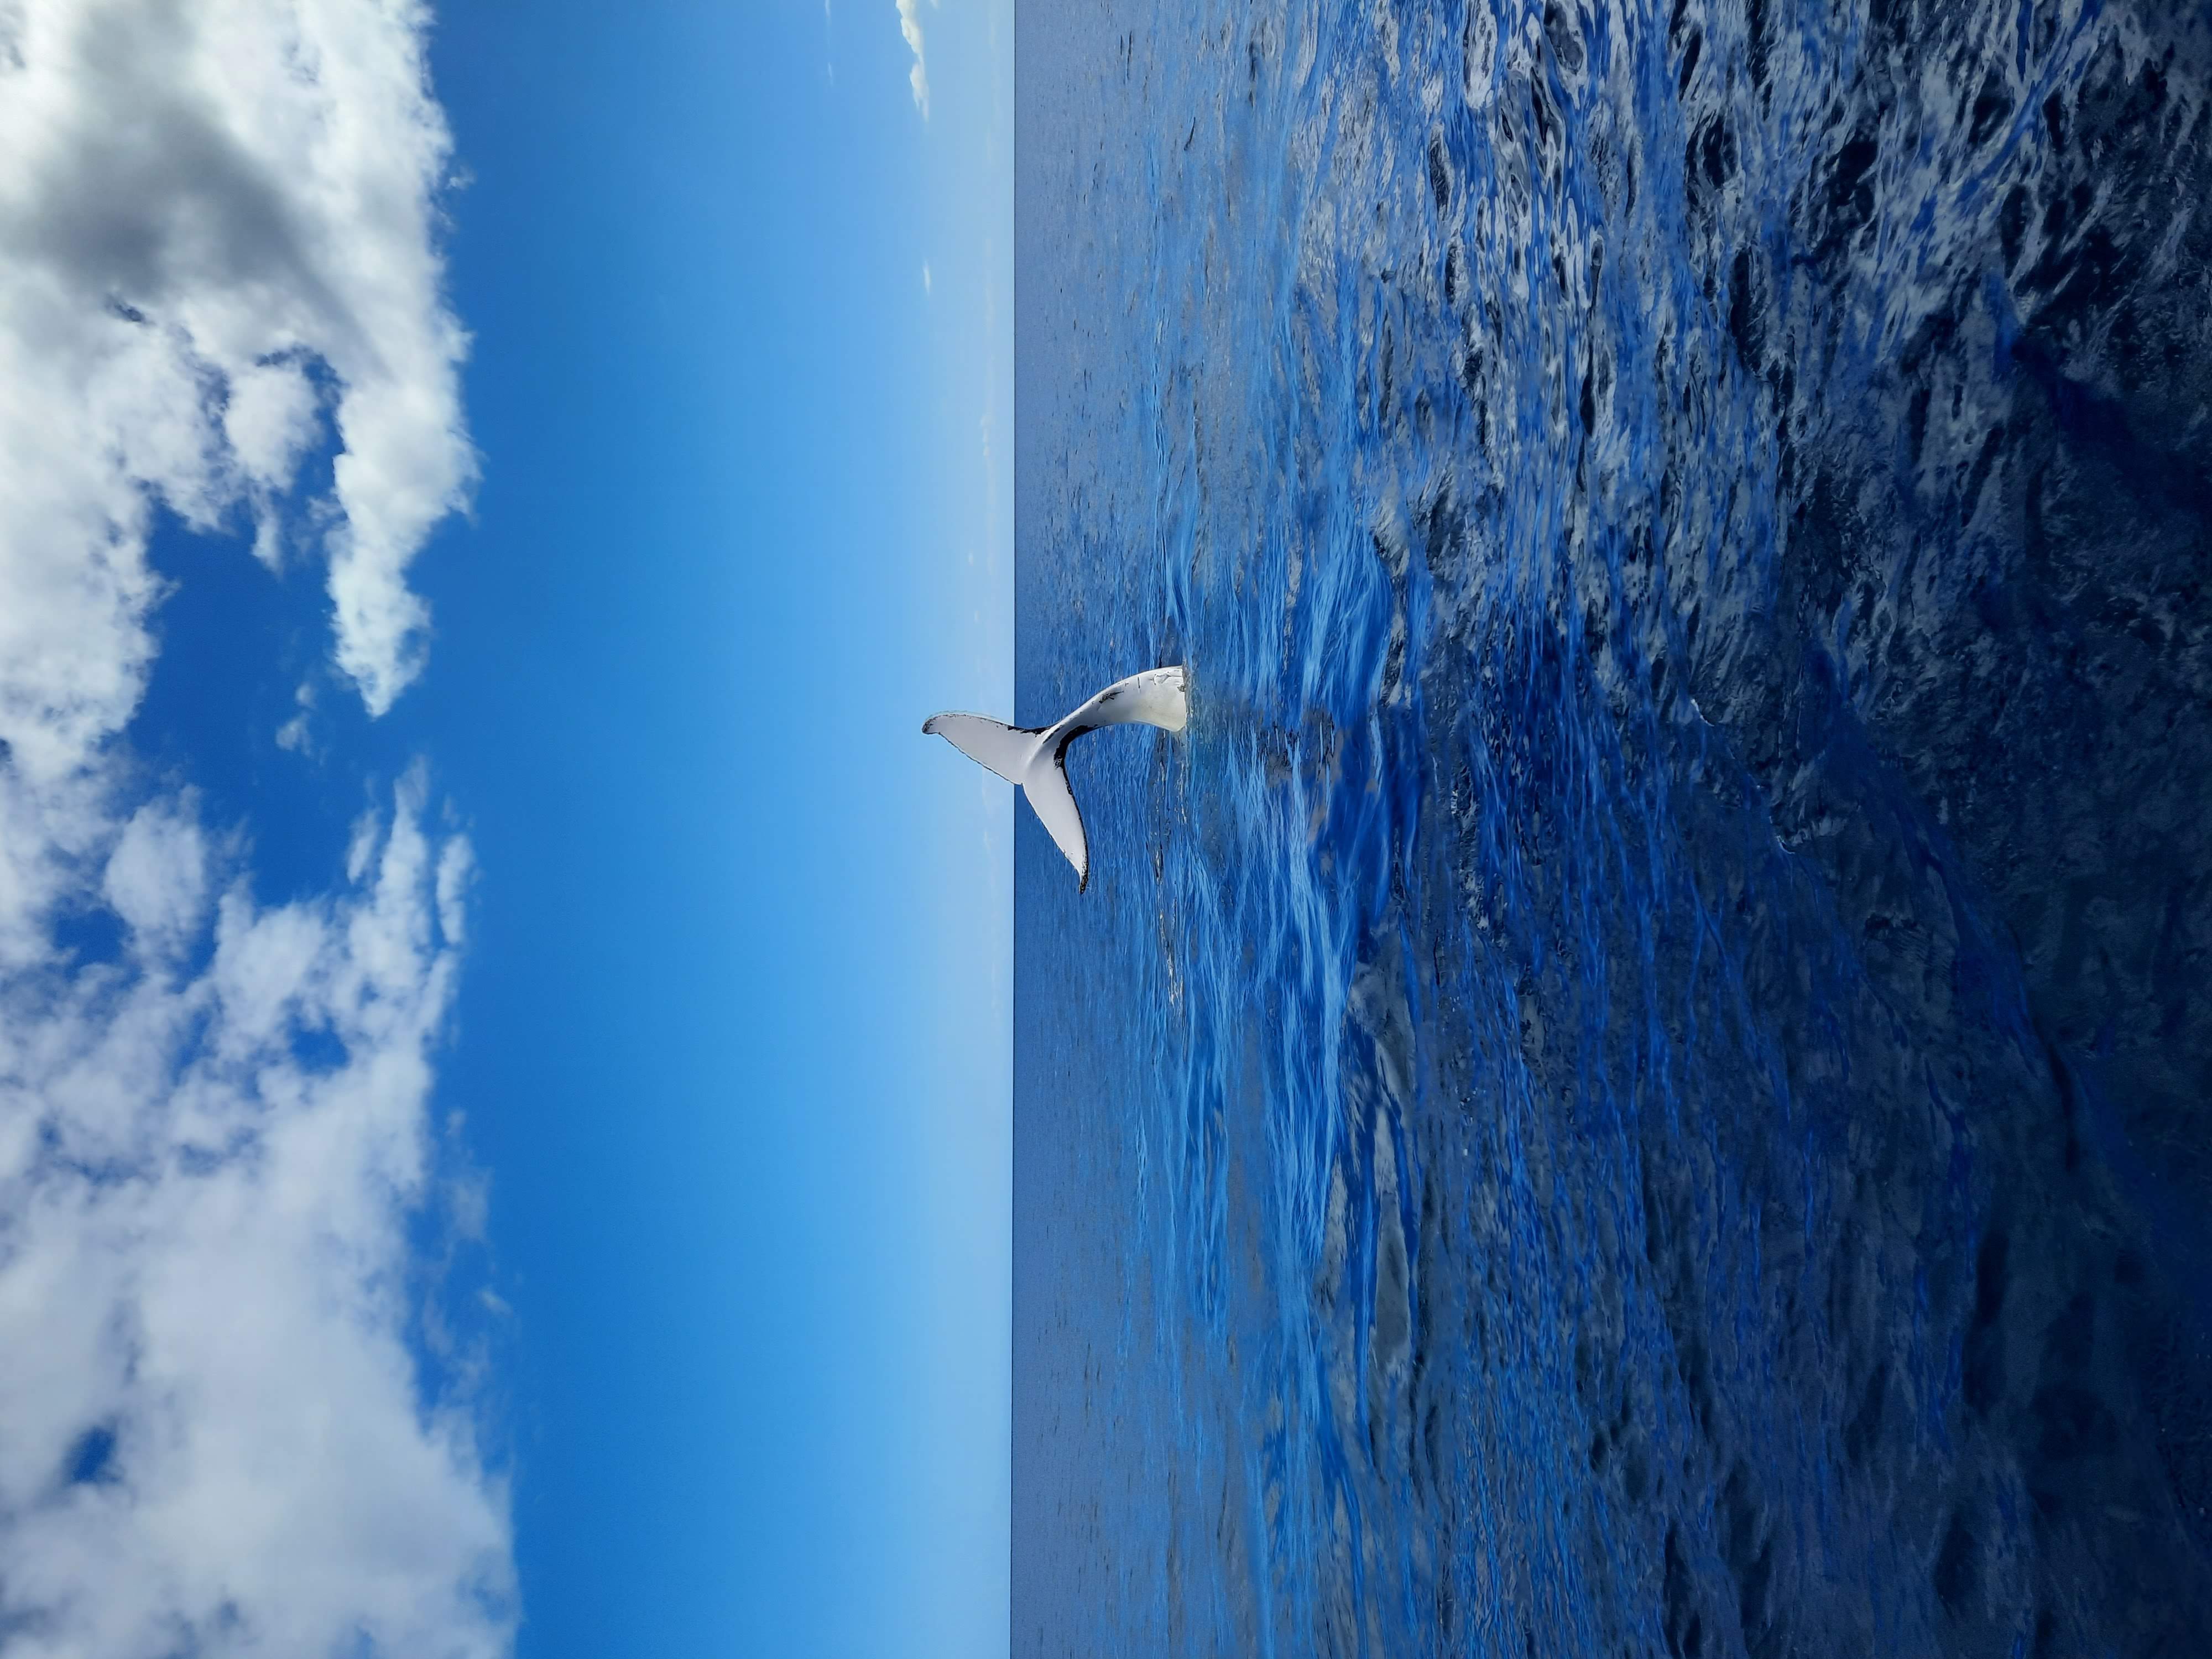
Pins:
x,y
507,974
746,475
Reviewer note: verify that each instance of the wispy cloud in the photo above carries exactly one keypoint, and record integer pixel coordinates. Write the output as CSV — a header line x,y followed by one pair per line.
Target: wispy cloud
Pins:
x,y
909,12
294,734
216,260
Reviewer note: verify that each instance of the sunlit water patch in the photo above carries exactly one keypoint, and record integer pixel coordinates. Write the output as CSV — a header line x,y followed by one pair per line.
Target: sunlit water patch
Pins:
x,y
1637,1082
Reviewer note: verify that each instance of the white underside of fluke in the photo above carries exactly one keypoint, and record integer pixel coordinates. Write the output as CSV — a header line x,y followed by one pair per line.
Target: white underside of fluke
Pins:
x,y
1035,757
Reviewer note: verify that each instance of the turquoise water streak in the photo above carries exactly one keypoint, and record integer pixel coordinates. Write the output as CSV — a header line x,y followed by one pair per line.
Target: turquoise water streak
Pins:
x,y
1553,1130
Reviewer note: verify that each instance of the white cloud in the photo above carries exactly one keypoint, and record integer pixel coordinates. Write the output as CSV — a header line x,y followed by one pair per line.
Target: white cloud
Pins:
x,y
218,225
156,877
216,260
925,287
205,1183
909,12
294,734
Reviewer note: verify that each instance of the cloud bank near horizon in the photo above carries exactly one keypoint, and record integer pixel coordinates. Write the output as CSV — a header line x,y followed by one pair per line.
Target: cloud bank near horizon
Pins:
x,y
909,15
219,283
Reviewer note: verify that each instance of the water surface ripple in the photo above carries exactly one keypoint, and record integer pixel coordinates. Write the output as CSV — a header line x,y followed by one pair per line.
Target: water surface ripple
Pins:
x,y
1637,1083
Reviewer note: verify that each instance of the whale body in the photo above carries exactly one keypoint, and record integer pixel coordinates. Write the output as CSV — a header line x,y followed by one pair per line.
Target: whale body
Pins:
x,y
1035,757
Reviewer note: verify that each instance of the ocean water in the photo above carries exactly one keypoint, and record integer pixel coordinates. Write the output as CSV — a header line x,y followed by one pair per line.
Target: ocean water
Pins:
x,y
1637,1083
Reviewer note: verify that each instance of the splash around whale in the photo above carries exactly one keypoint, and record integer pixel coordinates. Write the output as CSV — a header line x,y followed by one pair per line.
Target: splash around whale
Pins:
x,y
1035,758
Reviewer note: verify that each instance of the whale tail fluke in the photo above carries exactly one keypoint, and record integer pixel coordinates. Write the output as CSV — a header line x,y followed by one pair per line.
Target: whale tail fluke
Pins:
x,y
1046,784
1035,758
1005,750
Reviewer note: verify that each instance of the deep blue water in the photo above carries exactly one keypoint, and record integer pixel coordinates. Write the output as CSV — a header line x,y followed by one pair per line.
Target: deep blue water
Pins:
x,y
1637,1083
